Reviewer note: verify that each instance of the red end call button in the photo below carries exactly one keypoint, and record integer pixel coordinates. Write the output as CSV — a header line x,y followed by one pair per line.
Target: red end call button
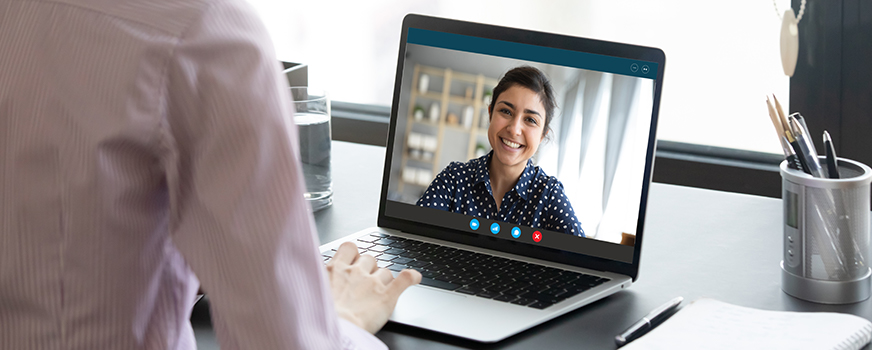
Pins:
x,y
537,236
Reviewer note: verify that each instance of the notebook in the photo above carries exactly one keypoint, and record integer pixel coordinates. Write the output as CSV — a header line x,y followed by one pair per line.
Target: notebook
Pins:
x,y
713,324
554,243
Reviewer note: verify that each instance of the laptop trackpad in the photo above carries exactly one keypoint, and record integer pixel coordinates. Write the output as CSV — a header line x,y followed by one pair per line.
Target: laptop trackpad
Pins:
x,y
417,302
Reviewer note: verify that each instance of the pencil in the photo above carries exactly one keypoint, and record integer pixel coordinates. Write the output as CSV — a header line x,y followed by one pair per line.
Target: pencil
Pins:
x,y
783,118
786,138
779,128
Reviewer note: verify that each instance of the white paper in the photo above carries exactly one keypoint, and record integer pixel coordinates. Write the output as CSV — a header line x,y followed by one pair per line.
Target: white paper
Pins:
x,y
713,324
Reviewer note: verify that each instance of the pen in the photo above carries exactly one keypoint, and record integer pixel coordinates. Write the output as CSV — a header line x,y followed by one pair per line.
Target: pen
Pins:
x,y
651,320
788,135
832,161
792,160
804,129
805,152
801,120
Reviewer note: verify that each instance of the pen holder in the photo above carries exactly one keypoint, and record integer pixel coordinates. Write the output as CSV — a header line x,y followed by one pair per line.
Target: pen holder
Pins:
x,y
826,234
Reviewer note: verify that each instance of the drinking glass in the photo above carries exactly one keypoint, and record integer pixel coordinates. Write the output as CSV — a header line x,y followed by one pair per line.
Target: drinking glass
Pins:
x,y
312,116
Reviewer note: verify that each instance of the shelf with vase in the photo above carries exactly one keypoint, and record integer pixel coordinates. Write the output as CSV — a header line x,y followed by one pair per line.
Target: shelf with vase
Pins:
x,y
446,107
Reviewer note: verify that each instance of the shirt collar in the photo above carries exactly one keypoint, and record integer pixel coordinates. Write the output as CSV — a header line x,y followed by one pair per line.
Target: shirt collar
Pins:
x,y
522,187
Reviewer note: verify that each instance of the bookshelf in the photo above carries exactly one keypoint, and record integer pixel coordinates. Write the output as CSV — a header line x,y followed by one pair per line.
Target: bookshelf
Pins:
x,y
451,122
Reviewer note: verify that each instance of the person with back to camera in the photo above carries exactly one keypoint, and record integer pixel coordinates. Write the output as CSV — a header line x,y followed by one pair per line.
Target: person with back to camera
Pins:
x,y
148,148
504,185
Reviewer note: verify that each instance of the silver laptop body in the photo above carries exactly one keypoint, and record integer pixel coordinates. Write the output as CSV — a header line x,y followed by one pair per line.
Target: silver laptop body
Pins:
x,y
461,61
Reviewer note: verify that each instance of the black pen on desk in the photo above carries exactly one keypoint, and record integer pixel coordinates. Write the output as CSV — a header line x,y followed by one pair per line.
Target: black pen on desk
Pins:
x,y
647,323
832,160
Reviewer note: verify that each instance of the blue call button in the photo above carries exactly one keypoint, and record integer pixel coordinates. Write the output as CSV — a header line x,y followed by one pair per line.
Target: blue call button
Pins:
x,y
516,232
473,224
495,228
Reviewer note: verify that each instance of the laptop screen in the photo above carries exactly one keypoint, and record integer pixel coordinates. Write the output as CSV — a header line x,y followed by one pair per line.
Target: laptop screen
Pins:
x,y
498,133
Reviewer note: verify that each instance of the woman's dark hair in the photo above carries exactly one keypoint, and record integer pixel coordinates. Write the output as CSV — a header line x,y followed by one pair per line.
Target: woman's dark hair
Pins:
x,y
533,79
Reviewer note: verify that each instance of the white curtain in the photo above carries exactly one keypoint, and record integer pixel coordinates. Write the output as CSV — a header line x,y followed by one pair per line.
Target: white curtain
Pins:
x,y
597,148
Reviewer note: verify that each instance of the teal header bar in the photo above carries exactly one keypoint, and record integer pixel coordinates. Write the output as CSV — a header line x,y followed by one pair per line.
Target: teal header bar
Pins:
x,y
534,53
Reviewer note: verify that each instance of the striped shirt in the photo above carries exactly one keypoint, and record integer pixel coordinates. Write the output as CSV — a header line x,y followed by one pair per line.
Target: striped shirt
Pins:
x,y
148,148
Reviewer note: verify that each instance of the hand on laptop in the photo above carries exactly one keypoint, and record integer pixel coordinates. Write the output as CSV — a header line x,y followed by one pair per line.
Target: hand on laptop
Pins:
x,y
363,293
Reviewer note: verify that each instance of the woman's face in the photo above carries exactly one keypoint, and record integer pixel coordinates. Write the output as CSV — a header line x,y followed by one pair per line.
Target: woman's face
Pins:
x,y
516,124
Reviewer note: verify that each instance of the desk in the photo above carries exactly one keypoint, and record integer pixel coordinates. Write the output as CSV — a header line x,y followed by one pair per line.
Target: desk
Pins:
x,y
698,243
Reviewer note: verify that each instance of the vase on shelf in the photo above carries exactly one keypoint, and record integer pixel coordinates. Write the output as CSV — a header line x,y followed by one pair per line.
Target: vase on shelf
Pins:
x,y
468,114
485,118
423,83
434,113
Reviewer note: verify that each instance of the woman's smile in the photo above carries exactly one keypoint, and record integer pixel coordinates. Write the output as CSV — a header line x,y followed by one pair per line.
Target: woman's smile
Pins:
x,y
511,144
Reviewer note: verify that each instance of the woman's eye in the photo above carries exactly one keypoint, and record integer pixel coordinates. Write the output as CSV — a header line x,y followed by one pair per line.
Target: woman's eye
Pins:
x,y
506,111
532,120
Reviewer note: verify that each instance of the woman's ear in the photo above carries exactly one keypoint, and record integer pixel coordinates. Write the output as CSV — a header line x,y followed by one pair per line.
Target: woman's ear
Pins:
x,y
490,114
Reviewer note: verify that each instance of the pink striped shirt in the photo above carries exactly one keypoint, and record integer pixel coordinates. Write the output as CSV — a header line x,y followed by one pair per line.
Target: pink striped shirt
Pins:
x,y
146,145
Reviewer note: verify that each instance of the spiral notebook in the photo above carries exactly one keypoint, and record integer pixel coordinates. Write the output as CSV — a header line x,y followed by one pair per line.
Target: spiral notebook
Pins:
x,y
713,324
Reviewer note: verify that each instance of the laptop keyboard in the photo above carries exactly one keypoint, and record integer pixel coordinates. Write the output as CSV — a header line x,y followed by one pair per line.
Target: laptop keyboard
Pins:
x,y
471,273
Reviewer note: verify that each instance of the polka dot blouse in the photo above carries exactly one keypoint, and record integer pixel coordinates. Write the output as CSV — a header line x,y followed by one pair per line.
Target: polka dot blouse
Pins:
x,y
537,200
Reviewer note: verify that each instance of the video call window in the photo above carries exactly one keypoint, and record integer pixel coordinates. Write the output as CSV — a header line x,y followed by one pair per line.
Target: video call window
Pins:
x,y
589,164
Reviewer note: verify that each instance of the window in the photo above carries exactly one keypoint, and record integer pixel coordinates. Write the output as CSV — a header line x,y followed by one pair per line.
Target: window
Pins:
x,y
722,59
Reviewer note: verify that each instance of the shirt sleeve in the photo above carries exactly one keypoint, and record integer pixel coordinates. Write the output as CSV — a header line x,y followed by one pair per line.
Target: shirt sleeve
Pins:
x,y
355,338
237,212
559,215
440,193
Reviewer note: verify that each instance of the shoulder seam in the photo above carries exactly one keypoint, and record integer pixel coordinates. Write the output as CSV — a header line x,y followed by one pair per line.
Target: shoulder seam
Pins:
x,y
164,82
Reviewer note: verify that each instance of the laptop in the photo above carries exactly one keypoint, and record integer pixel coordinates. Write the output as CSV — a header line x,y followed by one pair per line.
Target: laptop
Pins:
x,y
492,272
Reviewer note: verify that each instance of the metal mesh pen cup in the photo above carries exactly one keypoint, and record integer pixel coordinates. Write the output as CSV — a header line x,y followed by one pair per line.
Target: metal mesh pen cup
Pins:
x,y
826,234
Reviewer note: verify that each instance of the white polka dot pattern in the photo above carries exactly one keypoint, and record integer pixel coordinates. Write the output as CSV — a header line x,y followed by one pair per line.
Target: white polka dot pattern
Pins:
x,y
537,200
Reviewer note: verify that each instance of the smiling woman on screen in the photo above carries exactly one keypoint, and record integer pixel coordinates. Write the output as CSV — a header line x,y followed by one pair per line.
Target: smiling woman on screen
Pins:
x,y
504,185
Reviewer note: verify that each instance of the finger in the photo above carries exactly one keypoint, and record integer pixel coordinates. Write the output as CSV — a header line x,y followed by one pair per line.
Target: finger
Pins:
x,y
346,253
384,275
405,279
367,263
